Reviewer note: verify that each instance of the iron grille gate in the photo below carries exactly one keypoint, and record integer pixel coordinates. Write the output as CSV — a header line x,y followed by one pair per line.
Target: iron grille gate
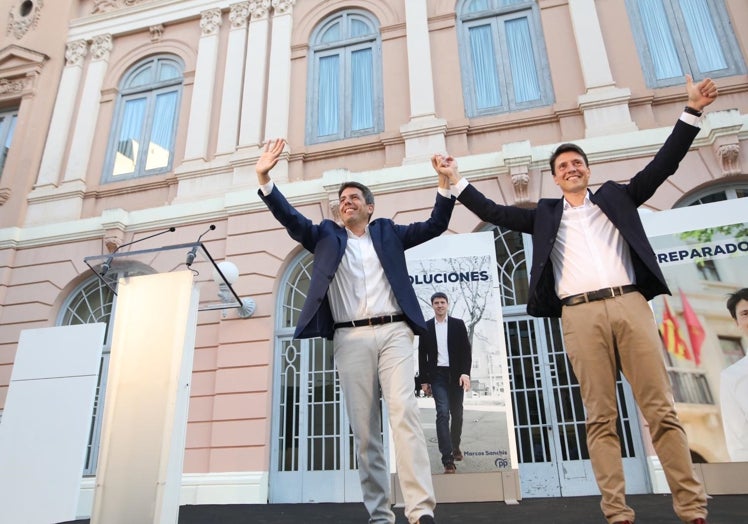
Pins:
x,y
549,416
313,454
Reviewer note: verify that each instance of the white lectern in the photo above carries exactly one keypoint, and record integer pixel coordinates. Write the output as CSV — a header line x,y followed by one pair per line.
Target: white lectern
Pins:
x,y
47,417
139,470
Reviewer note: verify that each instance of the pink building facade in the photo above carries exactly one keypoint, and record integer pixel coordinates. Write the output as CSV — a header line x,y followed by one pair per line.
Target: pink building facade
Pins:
x,y
134,116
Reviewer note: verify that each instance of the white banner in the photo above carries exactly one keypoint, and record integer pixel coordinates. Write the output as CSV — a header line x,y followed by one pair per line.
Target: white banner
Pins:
x,y
464,268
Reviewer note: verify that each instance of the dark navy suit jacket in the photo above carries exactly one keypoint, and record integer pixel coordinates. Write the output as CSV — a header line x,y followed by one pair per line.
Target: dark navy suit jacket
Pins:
x,y
327,240
619,202
458,347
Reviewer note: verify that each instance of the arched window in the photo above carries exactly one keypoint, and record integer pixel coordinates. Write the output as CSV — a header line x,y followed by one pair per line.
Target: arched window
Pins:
x,y
502,52
715,193
675,37
344,97
312,449
145,122
91,302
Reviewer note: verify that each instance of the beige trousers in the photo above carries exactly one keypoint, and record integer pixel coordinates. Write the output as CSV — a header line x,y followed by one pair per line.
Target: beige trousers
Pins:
x,y
597,335
369,358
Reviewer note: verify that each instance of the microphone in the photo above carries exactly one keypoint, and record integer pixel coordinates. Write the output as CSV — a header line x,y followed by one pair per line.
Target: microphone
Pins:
x,y
107,264
193,252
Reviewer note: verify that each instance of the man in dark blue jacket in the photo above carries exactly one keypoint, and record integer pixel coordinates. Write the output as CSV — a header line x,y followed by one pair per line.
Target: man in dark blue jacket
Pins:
x,y
444,362
361,298
593,266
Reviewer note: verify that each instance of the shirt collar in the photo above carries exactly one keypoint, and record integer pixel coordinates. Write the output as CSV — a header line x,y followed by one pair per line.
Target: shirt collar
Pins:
x,y
586,203
351,234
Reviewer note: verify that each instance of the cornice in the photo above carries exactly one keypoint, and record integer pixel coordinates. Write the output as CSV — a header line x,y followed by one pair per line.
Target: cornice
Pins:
x,y
135,18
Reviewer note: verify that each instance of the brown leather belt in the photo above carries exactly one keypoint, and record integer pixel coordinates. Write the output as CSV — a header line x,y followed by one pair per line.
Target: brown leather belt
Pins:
x,y
600,294
373,321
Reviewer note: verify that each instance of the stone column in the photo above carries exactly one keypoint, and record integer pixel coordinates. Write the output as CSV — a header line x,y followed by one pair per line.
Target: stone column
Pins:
x,y
228,126
605,106
88,111
198,129
279,80
62,115
424,133
255,67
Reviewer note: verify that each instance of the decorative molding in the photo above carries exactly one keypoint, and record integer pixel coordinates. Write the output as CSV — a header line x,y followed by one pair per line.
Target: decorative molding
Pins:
x,y
75,52
101,46
112,241
11,86
282,7
210,21
20,70
729,158
4,195
520,181
157,32
239,15
21,18
104,6
259,9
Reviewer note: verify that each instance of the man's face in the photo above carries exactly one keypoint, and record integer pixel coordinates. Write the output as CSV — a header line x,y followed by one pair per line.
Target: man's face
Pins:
x,y
741,316
440,306
353,208
571,174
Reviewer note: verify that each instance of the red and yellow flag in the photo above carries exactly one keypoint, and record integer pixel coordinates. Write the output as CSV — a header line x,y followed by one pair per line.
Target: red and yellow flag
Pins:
x,y
671,336
694,327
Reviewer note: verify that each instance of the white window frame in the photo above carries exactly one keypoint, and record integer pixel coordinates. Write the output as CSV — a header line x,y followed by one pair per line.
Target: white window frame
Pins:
x,y
344,48
496,16
150,92
683,46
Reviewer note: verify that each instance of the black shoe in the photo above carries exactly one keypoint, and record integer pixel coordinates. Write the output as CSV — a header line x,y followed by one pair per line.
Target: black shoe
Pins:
x,y
426,519
457,455
449,467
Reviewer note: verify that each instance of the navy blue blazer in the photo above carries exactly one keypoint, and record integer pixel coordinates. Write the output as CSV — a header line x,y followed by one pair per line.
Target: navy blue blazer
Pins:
x,y
327,240
458,348
619,202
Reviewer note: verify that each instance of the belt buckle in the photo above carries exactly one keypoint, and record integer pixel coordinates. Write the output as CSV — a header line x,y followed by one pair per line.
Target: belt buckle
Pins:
x,y
370,321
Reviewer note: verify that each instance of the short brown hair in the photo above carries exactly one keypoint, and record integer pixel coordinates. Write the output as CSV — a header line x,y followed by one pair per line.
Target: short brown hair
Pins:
x,y
368,195
565,148
439,294
734,298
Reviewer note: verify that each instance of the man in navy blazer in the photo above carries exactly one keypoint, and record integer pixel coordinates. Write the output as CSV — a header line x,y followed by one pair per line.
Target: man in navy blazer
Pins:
x,y
444,362
594,267
360,297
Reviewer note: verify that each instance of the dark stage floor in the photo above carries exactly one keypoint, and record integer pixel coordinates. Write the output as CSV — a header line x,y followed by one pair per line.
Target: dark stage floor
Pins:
x,y
651,509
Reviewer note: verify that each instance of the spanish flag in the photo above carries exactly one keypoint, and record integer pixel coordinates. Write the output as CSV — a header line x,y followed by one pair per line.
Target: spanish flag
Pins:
x,y
671,336
695,329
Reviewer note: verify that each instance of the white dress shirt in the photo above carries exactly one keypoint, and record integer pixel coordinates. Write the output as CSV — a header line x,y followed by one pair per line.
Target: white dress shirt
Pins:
x,y
440,328
589,252
360,288
733,390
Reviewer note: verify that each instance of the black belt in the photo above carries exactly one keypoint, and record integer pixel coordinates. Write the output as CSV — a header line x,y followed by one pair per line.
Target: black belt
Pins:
x,y
600,294
373,321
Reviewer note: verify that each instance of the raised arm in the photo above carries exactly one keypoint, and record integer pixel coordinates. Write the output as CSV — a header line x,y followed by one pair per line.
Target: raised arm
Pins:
x,y
269,157
701,94
446,168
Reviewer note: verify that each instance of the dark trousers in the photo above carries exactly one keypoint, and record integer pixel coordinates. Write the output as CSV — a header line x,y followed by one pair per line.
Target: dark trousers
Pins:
x,y
448,398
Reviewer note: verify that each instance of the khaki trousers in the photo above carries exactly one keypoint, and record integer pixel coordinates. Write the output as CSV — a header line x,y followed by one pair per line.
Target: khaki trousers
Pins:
x,y
597,335
367,359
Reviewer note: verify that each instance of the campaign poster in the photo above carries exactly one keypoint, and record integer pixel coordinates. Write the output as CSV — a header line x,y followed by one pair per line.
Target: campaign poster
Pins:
x,y
703,253
463,267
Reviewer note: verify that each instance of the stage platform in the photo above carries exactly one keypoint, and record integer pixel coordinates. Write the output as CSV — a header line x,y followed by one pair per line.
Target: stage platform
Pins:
x,y
651,509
